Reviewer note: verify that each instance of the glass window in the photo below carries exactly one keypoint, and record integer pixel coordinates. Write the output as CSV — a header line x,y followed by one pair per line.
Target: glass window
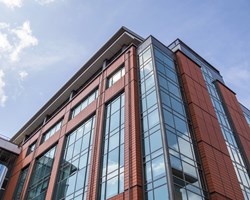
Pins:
x,y
31,148
146,55
155,141
41,174
158,167
116,76
51,131
112,181
20,183
181,125
161,192
83,104
74,166
153,118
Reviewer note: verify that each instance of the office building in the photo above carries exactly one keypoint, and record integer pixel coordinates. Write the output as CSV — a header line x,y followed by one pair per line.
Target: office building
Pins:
x,y
140,120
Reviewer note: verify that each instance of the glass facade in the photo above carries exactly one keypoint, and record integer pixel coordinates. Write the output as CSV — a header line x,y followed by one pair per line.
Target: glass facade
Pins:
x,y
51,131
74,167
116,76
185,168
228,134
155,175
174,134
87,100
112,179
39,182
20,183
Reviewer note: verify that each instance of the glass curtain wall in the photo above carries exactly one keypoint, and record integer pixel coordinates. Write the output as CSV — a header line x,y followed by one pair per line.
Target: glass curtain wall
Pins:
x,y
155,175
173,133
40,176
186,170
74,167
112,179
228,134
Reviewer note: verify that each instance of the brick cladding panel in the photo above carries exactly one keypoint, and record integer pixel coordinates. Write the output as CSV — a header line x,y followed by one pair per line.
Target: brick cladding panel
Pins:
x,y
218,169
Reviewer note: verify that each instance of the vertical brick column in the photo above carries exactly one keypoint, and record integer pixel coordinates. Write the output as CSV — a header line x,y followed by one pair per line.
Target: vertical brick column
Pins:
x,y
219,172
133,169
94,170
237,119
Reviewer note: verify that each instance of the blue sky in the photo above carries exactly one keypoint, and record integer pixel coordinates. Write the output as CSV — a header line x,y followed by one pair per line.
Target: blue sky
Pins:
x,y
44,42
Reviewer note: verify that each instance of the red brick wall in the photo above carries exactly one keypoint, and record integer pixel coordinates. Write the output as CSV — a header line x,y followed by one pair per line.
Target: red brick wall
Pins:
x,y
219,173
237,117
128,84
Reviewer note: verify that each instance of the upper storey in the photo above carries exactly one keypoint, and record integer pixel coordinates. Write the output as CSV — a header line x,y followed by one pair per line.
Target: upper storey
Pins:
x,y
114,47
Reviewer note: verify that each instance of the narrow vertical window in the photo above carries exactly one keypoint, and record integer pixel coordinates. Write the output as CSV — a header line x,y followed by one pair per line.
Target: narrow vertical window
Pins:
x,y
74,167
20,183
112,180
40,176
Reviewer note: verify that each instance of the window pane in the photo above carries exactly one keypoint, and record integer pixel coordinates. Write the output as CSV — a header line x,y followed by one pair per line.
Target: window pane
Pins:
x,y
113,160
161,192
146,55
112,187
155,141
148,68
153,118
158,167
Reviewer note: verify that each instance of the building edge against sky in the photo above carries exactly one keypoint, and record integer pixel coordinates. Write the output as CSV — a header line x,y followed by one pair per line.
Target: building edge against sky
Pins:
x,y
140,120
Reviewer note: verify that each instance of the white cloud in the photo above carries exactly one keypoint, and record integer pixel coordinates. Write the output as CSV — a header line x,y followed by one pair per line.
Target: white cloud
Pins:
x,y
5,45
13,41
23,75
44,2
4,25
12,3
26,39
3,97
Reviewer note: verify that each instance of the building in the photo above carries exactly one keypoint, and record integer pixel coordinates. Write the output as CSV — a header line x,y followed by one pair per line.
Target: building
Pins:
x,y
8,154
140,120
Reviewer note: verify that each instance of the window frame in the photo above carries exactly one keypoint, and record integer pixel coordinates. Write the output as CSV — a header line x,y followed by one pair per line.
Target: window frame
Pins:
x,y
121,70
43,138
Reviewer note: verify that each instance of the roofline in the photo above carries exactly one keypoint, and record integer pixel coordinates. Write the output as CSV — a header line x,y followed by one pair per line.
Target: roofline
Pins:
x,y
194,52
109,43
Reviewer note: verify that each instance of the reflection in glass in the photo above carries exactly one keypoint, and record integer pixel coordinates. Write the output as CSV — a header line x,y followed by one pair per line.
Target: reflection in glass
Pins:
x,y
74,167
177,130
40,176
112,180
